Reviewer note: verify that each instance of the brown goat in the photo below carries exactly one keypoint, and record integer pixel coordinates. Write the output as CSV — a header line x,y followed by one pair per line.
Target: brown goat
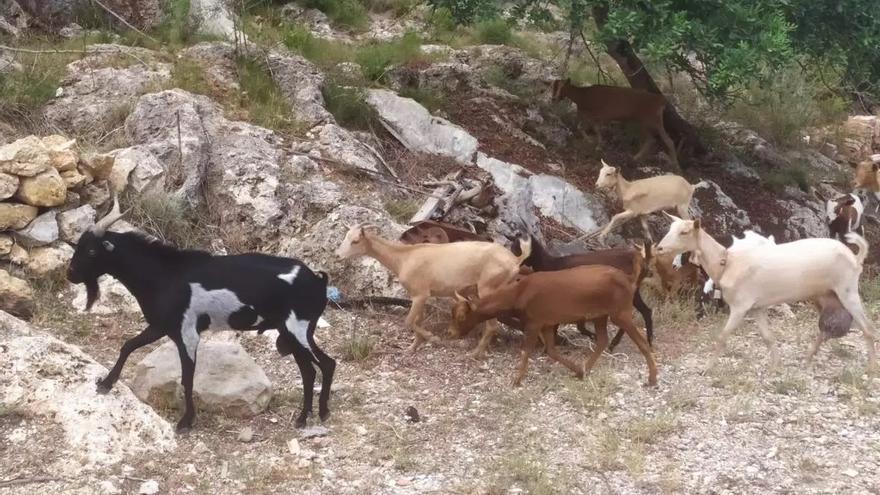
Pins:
x,y
545,300
599,104
844,216
429,231
866,175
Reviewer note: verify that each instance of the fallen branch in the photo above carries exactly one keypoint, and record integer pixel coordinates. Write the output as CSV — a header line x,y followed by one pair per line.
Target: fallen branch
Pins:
x,y
361,302
114,14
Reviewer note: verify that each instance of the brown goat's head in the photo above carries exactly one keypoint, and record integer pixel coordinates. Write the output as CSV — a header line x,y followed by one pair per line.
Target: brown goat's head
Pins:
x,y
464,314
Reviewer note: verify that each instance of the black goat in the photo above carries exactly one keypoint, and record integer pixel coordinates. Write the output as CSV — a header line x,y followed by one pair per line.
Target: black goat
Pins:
x,y
540,260
183,292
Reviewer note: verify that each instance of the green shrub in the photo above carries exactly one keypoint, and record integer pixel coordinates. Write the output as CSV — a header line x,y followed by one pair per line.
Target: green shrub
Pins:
x,y
494,31
168,218
431,100
375,59
441,21
188,75
778,179
350,14
265,104
398,8
348,106
466,11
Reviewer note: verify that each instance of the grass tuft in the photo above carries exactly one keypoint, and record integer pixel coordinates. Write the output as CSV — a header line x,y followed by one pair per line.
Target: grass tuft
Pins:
x,y
348,106
168,218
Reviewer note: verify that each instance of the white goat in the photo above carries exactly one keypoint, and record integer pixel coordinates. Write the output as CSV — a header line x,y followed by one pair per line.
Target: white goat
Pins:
x,y
644,196
427,270
750,239
769,274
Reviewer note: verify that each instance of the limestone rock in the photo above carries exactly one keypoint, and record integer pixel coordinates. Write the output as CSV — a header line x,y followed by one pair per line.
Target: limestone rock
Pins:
x,y
72,223
114,299
300,82
16,216
138,168
6,243
98,166
48,260
218,61
51,385
73,179
47,188
25,157
418,130
8,185
43,230
56,14
16,296
63,160
226,380
212,17
336,143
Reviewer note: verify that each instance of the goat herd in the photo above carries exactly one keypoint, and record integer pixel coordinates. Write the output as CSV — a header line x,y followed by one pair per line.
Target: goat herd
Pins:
x,y
183,292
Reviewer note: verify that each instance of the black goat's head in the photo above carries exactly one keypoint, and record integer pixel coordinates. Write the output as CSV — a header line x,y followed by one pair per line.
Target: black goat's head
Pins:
x,y
89,259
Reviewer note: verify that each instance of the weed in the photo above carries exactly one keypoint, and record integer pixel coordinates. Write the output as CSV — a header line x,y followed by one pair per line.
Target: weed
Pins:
x,y
495,31
398,8
51,310
349,106
592,393
650,430
265,104
376,58
168,218
189,75
401,210
358,347
779,178
527,472
349,14
790,385
431,100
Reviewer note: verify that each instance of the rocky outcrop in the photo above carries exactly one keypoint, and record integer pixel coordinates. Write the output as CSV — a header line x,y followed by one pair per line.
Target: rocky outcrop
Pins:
x,y
418,130
50,386
227,379
56,14
16,296
138,169
300,82
339,144
43,230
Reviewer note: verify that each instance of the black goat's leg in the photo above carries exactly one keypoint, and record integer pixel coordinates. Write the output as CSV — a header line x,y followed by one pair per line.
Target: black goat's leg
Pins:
x,y
303,359
647,315
188,371
148,336
328,367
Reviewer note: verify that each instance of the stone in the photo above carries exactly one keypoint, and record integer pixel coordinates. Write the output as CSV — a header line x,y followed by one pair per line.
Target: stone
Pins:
x,y
149,487
43,230
72,223
314,432
246,434
226,380
25,157
56,14
862,136
138,168
16,296
98,166
333,142
212,17
114,299
47,188
418,130
63,160
710,202
73,179
293,447
18,255
300,82
218,62
95,194
6,243
8,185
47,260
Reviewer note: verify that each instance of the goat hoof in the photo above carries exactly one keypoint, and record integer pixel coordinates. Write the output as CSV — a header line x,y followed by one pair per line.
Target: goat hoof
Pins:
x,y
102,388
184,427
324,415
434,339
300,421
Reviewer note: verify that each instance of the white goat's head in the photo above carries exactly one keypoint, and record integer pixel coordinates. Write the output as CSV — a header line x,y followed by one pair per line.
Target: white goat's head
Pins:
x,y
607,176
354,243
681,238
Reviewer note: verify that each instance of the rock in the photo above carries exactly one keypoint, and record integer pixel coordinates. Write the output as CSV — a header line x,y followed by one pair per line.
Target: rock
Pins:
x,y
98,166
72,223
56,14
227,379
246,434
63,160
73,179
314,432
46,260
25,157
95,194
514,63
862,136
718,209
412,415
48,379
47,188
804,218
16,216
115,298
108,488
212,17
138,168
149,487
6,243
8,185
218,61
43,230
751,142
300,82
293,446
16,297
18,255
333,142
418,130
315,20
95,100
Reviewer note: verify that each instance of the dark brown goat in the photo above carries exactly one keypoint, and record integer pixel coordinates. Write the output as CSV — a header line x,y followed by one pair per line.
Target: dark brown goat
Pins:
x,y
599,104
429,231
621,258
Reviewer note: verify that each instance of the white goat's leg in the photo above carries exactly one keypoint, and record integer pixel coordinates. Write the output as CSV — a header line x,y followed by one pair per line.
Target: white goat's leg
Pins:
x,y
769,338
414,320
646,228
620,217
820,339
852,302
733,322
683,211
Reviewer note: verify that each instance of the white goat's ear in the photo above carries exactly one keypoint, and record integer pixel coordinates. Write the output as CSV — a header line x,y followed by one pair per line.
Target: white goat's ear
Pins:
x,y
108,245
605,164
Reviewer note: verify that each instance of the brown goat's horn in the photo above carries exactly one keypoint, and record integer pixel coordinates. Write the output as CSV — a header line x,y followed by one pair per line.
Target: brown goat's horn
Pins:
x,y
103,224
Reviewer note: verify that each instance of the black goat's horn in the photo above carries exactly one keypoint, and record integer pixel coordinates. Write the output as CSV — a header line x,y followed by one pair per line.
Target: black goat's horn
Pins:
x,y
103,224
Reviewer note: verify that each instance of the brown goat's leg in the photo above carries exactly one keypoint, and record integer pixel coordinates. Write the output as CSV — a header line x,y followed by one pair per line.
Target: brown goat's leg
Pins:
x,y
490,328
624,321
647,144
601,325
547,334
414,320
526,352
667,141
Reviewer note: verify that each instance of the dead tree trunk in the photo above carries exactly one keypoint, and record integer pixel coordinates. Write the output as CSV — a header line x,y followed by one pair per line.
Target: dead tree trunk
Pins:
x,y
679,129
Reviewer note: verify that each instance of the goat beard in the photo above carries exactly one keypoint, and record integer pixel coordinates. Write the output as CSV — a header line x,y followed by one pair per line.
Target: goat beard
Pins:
x,y
92,292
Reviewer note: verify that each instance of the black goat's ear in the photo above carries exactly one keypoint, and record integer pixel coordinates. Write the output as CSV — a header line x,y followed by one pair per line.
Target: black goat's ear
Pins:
x,y
108,245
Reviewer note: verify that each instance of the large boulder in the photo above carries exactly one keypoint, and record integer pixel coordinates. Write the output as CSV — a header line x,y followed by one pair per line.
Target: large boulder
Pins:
x,y
8,185
227,379
47,188
49,386
16,216
213,18
137,168
95,99
57,14
24,157
73,223
300,83
16,296
43,230
418,130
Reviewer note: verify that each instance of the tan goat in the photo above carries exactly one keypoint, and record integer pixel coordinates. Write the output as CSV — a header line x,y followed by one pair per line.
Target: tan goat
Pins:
x,y
644,196
866,176
599,104
427,270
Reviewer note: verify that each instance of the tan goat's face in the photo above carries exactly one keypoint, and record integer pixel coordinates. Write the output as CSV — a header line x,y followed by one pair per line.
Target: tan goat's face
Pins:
x,y
607,176
866,175
354,243
681,238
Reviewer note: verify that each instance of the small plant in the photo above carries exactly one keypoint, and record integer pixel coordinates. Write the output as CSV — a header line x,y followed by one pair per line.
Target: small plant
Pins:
x,y
495,31
349,14
398,8
650,430
401,210
261,97
349,106
790,385
778,179
168,218
358,347
375,59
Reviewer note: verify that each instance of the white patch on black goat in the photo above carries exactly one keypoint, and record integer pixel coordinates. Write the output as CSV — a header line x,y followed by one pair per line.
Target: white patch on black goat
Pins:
x,y
299,329
290,276
217,304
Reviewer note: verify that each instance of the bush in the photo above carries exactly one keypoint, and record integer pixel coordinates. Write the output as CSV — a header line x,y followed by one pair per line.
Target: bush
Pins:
x,y
262,99
168,218
375,59
397,7
431,100
348,106
346,13
494,31
466,11
778,179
